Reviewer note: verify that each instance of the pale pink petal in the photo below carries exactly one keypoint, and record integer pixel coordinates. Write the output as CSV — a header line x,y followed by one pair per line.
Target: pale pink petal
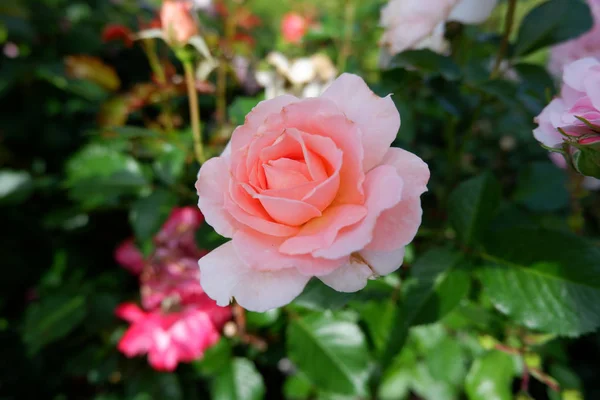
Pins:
x,y
225,276
300,192
243,134
377,118
261,253
383,262
592,87
288,212
575,73
283,178
472,11
546,133
212,187
397,226
383,189
321,232
292,165
349,278
413,170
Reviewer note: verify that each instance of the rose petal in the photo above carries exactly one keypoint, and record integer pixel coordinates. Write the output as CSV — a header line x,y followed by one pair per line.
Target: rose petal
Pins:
x,y
243,134
258,223
279,178
575,72
261,253
212,187
383,189
413,170
224,276
321,232
377,118
320,116
349,278
397,226
472,11
383,262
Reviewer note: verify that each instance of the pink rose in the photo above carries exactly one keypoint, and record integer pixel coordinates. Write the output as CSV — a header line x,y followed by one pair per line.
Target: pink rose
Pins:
x,y
171,338
178,22
310,188
586,45
128,255
415,24
293,27
579,99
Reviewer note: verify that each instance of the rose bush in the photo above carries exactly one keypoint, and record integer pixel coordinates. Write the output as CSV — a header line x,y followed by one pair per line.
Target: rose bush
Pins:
x,y
310,188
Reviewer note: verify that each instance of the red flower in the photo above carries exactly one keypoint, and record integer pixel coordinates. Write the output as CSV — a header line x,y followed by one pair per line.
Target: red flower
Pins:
x,y
293,27
117,32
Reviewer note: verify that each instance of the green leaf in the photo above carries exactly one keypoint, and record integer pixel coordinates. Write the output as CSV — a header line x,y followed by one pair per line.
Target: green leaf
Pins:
x,y
545,280
98,175
542,186
428,62
472,207
52,319
562,20
259,320
297,387
438,284
447,363
331,352
238,381
215,359
15,186
319,296
490,377
169,165
149,213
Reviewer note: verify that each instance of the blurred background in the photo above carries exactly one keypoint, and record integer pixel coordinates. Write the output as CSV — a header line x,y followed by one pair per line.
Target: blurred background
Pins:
x,y
97,201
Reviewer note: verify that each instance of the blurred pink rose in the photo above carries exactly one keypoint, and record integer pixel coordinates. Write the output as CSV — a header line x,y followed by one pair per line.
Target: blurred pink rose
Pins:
x,y
415,24
130,258
579,98
178,22
586,45
293,27
310,188
170,338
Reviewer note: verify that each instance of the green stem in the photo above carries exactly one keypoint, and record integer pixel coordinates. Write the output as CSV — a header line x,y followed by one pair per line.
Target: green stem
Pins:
x,y
149,46
194,110
508,26
346,49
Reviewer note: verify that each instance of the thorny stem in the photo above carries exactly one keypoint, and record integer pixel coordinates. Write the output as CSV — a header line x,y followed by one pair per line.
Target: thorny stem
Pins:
x,y
149,46
194,111
508,26
239,316
346,49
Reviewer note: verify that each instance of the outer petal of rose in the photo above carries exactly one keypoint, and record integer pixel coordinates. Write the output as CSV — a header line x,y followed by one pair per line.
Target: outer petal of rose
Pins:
x,y
383,262
413,170
546,133
244,133
472,11
592,87
212,187
135,341
397,226
574,73
377,117
352,277
261,253
322,231
383,189
224,276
